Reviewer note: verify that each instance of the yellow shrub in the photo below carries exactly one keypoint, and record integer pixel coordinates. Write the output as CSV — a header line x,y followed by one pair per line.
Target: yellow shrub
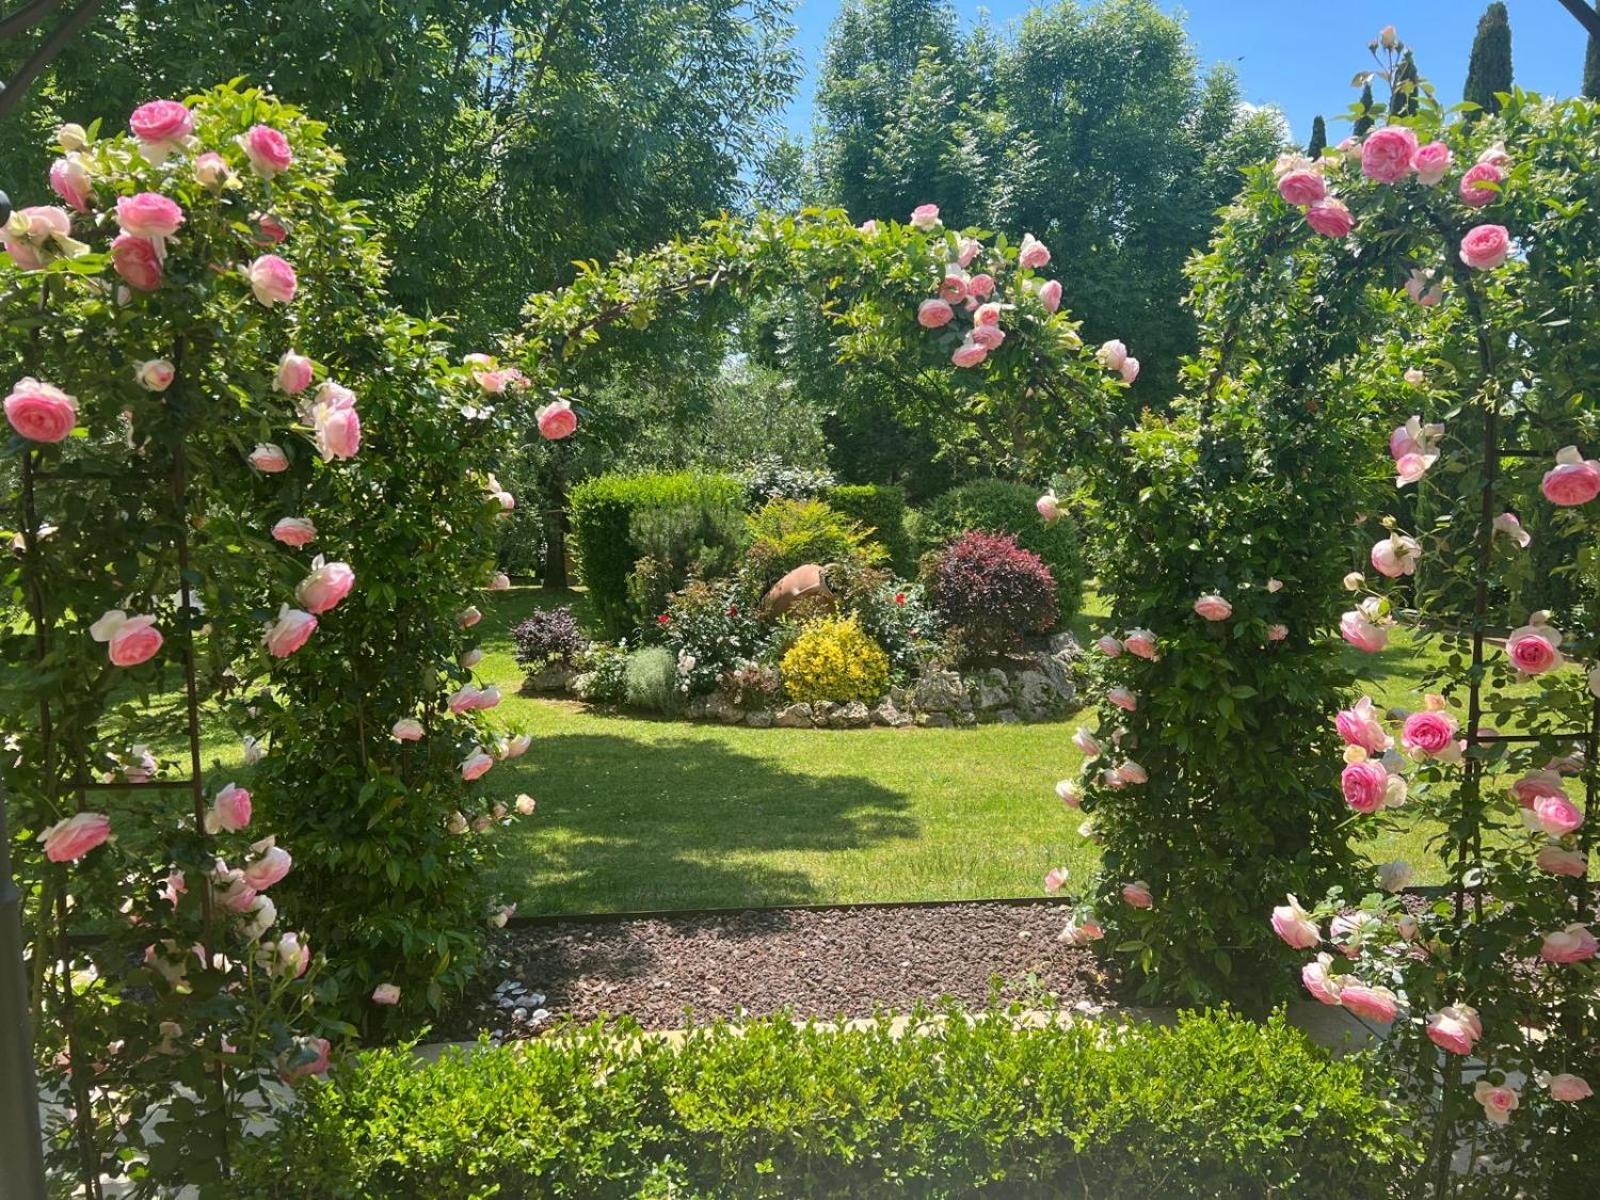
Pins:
x,y
834,660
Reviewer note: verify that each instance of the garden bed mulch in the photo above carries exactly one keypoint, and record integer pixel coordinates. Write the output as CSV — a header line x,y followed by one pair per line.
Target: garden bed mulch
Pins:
x,y
837,962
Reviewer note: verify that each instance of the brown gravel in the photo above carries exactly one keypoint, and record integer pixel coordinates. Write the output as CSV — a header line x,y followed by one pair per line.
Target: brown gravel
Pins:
x,y
835,962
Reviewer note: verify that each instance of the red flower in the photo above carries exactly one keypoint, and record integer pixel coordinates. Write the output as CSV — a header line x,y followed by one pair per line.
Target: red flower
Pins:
x,y
733,610
899,597
663,619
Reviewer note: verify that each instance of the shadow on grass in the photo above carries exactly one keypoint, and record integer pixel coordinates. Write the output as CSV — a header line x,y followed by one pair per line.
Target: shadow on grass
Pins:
x,y
626,824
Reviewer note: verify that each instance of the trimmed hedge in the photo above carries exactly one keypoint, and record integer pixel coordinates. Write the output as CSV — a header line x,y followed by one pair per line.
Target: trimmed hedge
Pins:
x,y
882,509
1214,1106
996,506
603,511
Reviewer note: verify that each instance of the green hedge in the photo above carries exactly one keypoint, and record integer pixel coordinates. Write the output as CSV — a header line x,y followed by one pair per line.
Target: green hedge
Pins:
x,y
881,508
603,511
1212,1107
996,506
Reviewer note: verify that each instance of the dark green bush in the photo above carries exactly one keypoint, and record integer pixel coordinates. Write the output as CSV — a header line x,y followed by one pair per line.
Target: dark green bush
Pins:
x,y
1212,1107
995,506
881,508
604,519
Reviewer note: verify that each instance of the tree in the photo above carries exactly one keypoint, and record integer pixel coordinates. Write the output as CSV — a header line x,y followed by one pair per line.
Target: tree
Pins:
x,y
1366,120
1489,70
1319,137
1403,88
1591,64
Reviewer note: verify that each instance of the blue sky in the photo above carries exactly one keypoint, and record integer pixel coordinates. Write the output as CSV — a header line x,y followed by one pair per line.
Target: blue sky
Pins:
x,y
1300,54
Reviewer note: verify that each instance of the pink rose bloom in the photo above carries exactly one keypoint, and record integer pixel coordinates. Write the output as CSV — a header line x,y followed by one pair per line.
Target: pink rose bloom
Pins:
x,y
338,431
1473,192
986,314
1424,289
1431,162
1213,607
1067,792
953,286
469,617
270,868
294,531
386,993
1360,726
135,259
968,354
1574,944
556,420
294,374
1429,733
161,121
925,216
1555,860
1375,1003
987,336
967,250
1085,741
269,458
70,180
1323,985
1557,815
1048,507
292,630
406,729
934,314
1141,642
1486,247
1080,932
1499,1101
230,811
71,839
1112,355
1395,556
38,234
980,286
1330,218
273,280
1032,254
1108,645
308,1057
1050,295
1054,879
149,215
476,765
156,375
1508,524
501,582
41,412
1137,894
1365,785
1129,369
1361,633
1532,652
270,230
1574,480
868,227
1123,699
328,583
129,640
1409,468
1295,926
517,746
1569,1089
1303,188
464,699
211,171
1455,1028
1387,153
267,149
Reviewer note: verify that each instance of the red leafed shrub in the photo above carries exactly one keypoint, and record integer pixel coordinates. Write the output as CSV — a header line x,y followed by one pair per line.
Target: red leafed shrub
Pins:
x,y
991,592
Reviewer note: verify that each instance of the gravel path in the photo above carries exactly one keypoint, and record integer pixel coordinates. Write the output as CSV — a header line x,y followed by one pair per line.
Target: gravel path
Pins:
x,y
834,962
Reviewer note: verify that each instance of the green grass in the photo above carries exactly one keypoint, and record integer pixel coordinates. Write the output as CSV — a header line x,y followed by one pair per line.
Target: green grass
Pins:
x,y
636,813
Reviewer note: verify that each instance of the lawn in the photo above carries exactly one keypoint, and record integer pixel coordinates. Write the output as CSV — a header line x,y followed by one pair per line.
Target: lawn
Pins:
x,y
636,813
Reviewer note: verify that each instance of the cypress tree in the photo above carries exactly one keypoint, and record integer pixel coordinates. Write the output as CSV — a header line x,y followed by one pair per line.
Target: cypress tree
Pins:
x,y
1403,103
1490,69
1591,65
1319,138
1366,121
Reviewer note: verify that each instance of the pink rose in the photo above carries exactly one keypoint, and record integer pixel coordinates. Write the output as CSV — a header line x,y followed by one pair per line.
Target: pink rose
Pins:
x,y
868,227
1303,188
1574,480
1485,247
1533,650
156,375
1387,153
469,617
1569,1089
70,180
1498,1100
71,839
1137,894
1429,734
267,149
1054,879
161,127
230,811
515,748
1112,355
967,250
1361,633
1067,792
1395,556
338,429
1123,698
406,729
968,354
40,411
476,765
1554,860
1129,369
270,868
1048,507
1365,785
1480,186
986,314
980,286
328,583
934,314
268,458
211,171
925,216
270,231
1430,162
1141,642
1455,1028
1050,295
1557,815
290,631
953,286
386,993
1508,524
1330,218
129,640
500,582
556,420
135,259
1360,726
1081,931
1424,289
1574,944
1213,607
1108,645
465,699
1375,1003
294,374
1085,741
308,1057
1295,926
1323,985
987,336
272,279
149,215
1032,254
